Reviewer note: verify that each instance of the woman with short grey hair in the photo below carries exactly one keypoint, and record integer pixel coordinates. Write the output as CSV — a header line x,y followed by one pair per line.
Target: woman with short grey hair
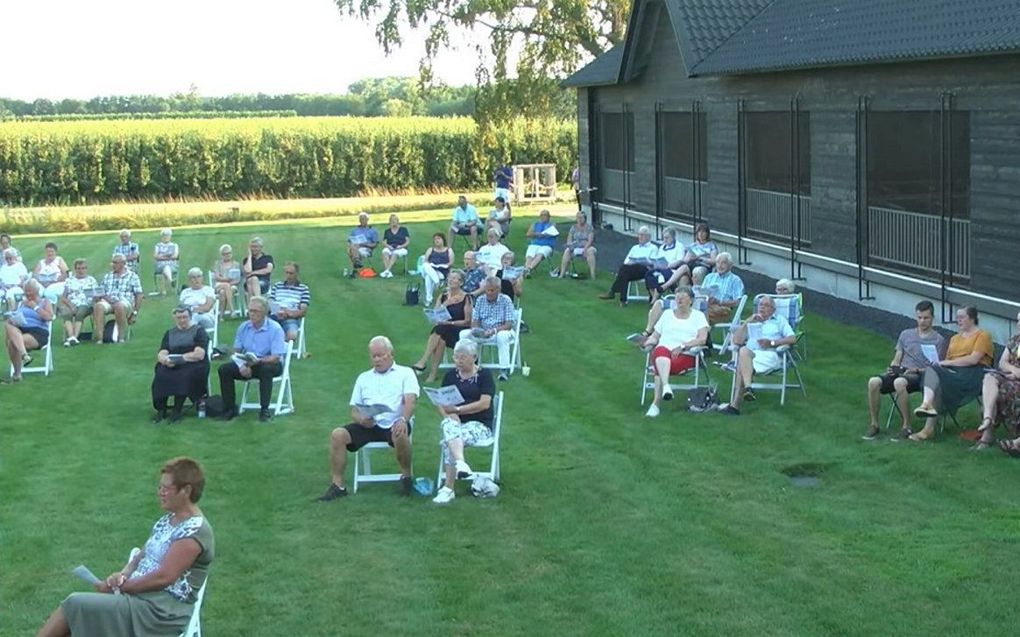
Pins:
x,y
469,423
672,251
166,256
199,298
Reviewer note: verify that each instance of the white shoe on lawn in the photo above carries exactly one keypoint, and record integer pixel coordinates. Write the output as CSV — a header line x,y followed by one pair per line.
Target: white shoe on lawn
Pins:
x,y
445,496
463,470
667,392
653,411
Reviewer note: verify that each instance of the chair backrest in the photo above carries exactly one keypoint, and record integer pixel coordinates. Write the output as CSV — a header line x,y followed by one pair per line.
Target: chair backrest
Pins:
x,y
194,628
789,306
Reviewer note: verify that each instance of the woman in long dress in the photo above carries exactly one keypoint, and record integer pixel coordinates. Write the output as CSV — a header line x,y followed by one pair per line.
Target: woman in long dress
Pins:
x,y
182,369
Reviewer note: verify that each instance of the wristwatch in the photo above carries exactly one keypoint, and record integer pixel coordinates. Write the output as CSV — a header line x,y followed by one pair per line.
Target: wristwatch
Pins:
x,y
456,408
772,344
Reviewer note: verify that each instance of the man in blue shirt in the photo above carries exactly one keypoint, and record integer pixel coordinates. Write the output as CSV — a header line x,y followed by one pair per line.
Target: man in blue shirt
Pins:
x,y
360,243
465,222
504,180
262,338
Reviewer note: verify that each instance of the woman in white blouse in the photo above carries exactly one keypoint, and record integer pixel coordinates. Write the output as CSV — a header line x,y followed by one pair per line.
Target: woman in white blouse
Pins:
x,y
51,272
635,265
676,332
673,252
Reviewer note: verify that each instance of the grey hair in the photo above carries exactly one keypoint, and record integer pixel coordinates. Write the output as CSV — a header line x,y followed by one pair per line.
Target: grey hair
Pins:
x,y
466,346
785,284
458,273
644,230
684,289
180,309
256,241
195,272
670,231
724,256
495,232
261,302
493,281
382,340
33,284
509,254
362,214
166,232
10,252
125,231
119,258
225,248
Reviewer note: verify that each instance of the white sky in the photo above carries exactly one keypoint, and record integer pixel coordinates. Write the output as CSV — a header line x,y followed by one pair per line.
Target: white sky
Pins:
x,y
84,48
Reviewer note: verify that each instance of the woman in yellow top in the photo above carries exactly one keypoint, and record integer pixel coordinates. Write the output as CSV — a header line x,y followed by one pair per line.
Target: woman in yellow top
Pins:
x,y
956,381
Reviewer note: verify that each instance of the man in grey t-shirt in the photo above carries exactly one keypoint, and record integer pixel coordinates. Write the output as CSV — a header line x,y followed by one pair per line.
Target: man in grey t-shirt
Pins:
x,y
906,369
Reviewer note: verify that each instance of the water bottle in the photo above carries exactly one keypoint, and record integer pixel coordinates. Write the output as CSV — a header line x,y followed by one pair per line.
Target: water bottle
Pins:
x,y
347,272
201,408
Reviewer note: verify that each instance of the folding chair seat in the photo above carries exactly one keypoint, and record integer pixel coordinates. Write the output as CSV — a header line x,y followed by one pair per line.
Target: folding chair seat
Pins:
x,y
45,352
635,291
363,463
648,379
284,403
497,427
194,628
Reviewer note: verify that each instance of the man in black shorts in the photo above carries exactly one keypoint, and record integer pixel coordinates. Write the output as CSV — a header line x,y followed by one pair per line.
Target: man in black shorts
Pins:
x,y
906,369
381,406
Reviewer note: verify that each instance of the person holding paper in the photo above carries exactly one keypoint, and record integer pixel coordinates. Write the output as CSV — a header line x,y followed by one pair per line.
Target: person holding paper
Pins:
x,y
905,371
158,587
122,297
13,275
635,265
200,298
952,383
256,268
468,423
76,302
699,259
396,388
675,334
182,368
166,258
669,259
445,334
758,337
511,279
580,240
290,298
262,339
543,235
27,328
1000,395
474,274
493,318
51,272
395,242
491,254
466,222
361,242
226,276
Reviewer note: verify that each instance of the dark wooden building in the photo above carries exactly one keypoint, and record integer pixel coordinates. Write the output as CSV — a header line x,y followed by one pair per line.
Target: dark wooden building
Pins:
x,y
870,147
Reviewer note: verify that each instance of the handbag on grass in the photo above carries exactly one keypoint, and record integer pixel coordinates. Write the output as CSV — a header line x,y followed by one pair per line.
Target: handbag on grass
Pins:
x,y
411,295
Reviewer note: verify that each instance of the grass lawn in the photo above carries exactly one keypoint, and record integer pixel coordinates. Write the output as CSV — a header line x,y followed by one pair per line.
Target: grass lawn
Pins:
x,y
608,523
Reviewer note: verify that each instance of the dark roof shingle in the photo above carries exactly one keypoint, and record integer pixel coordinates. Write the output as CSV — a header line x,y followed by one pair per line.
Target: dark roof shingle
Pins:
x,y
602,71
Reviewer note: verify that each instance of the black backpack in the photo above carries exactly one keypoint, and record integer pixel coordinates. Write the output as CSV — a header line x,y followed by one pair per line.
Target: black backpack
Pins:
x,y
110,331
411,295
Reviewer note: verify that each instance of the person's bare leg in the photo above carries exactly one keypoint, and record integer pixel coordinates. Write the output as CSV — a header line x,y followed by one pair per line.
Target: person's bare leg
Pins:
x,y
338,441
55,626
874,397
456,447
653,317
474,237
402,449
436,357
589,256
902,401
451,475
661,365
120,315
743,377
564,262
97,324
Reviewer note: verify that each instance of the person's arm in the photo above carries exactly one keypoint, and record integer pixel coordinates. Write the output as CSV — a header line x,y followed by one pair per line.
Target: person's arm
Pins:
x,y
278,348
201,345
178,559
399,427
406,242
133,253
45,310
970,360
897,359
531,232
62,265
373,240
468,307
207,306
155,253
247,264
653,339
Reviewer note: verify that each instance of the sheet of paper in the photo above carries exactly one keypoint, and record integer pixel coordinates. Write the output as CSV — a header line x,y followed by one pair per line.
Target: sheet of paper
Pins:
x,y
371,411
512,273
551,231
438,314
930,352
84,573
754,332
444,396
176,359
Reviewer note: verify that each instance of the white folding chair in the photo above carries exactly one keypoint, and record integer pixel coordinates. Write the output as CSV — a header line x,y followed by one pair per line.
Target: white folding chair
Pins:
x,y
788,362
648,380
729,326
363,463
47,354
791,307
214,331
299,352
490,345
497,427
634,292
284,403
194,628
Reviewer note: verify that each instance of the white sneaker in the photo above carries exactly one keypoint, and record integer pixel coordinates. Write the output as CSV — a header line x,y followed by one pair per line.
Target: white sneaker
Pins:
x,y
653,411
463,470
445,496
667,392
73,340
67,342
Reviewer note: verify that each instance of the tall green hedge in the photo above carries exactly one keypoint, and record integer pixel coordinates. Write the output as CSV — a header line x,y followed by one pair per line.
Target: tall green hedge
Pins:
x,y
100,161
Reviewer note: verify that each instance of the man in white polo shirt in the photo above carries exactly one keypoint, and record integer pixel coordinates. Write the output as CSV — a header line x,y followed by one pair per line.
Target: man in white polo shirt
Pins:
x,y
396,388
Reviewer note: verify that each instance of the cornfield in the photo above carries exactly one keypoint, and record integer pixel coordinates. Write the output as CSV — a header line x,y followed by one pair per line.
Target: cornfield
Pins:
x,y
45,163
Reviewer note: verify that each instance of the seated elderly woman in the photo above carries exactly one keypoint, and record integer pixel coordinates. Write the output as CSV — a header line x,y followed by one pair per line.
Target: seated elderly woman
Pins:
x,y
155,592
675,333
166,260
445,334
491,253
672,251
182,368
635,265
51,272
395,242
580,240
28,327
226,276
470,422
76,302
954,382
1000,395
698,260
785,286
199,298
541,242
13,275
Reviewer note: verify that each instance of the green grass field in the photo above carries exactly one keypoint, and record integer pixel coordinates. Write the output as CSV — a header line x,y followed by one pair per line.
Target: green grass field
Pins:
x,y
608,524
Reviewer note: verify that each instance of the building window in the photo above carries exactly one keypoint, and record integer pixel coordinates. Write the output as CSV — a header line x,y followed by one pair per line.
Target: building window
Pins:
x,y
618,141
905,162
681,158
770,163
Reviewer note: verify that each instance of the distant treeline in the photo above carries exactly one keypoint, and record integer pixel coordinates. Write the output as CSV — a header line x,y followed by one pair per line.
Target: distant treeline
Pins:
x,y
72,117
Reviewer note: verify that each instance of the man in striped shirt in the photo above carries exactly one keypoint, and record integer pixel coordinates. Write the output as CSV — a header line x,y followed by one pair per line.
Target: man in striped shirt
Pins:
x,y
289,301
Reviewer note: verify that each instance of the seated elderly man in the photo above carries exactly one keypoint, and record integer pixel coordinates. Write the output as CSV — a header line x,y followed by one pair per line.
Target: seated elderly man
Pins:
x,y
474,274
256,268
289,301
394,388
499,217
262,339
543,240
758,337
491,254
122,297
465,222
129,249
360,243
493,319
200,299
906,370
579,244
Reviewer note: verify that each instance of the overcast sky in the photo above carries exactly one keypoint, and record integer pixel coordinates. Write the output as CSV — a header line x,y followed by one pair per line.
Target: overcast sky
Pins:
x,y
84,48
